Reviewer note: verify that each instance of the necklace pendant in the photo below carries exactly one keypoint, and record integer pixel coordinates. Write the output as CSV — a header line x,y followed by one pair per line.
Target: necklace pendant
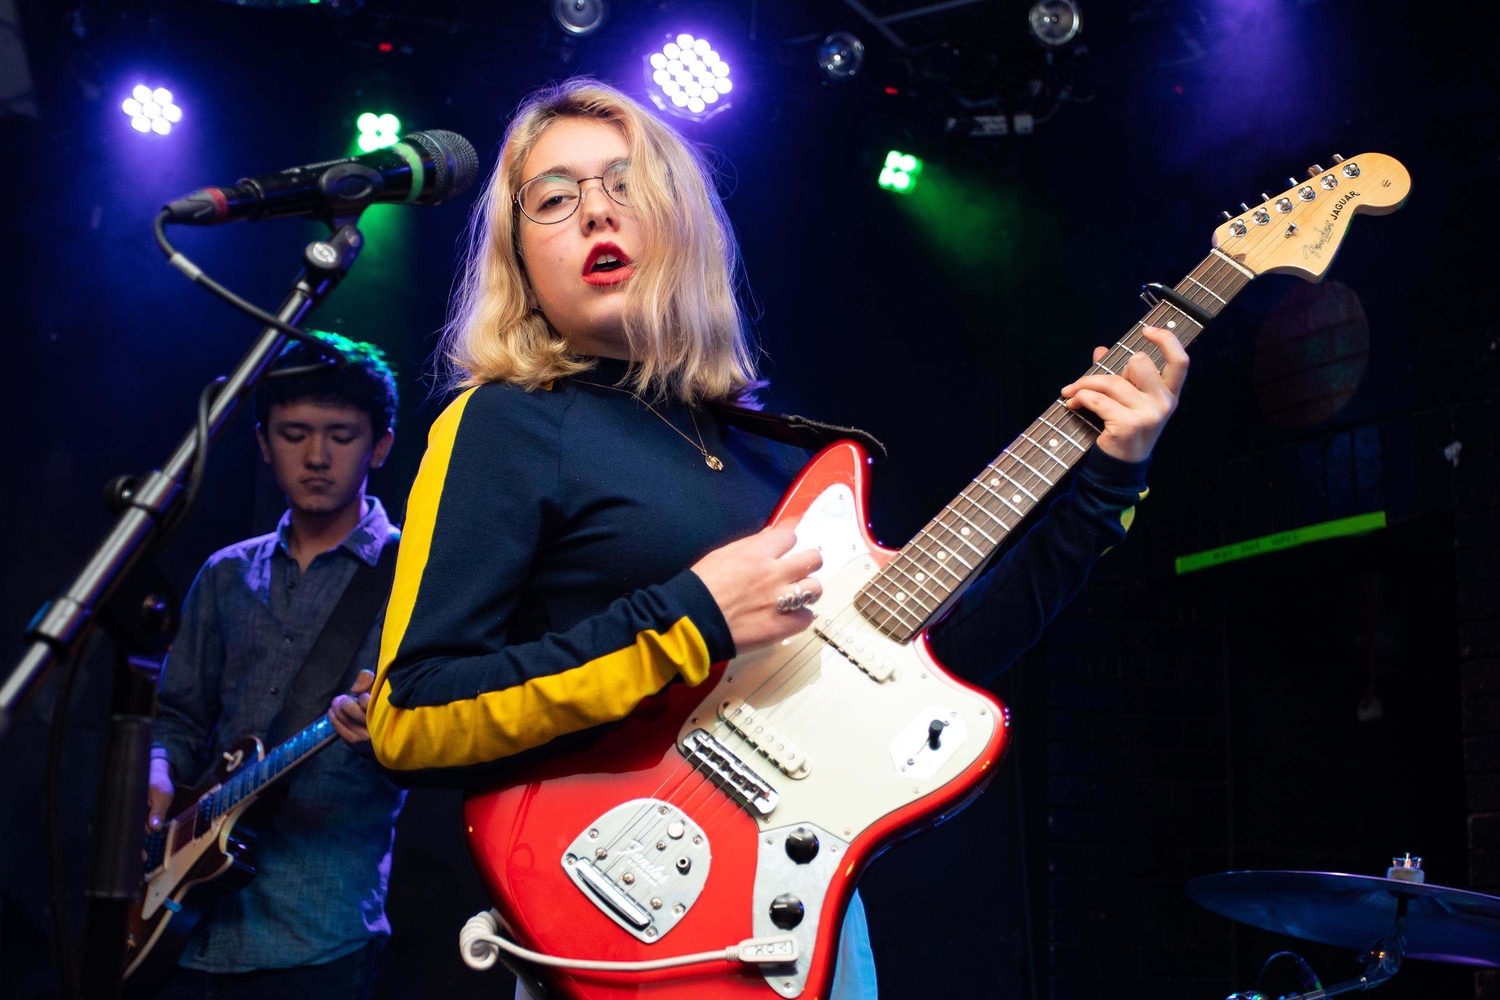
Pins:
x,y
712,461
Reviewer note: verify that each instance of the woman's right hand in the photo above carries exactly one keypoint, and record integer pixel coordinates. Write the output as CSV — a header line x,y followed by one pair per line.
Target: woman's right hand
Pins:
x,y
746,578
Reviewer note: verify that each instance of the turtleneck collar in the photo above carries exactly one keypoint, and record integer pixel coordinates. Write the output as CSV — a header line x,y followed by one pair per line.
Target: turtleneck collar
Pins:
x,y
606,371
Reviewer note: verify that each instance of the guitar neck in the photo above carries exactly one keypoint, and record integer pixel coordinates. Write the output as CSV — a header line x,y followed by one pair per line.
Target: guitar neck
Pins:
x,y
252,778
932,570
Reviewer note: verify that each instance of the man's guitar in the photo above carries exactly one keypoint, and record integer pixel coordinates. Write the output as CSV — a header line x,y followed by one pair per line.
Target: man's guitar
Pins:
x,y
205,845
747,807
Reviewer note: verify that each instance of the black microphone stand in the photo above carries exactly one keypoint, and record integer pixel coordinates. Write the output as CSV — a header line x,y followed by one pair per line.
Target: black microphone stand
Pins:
x,y
59,629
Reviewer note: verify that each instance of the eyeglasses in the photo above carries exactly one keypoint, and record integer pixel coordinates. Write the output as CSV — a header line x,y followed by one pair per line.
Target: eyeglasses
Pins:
x,y
552,198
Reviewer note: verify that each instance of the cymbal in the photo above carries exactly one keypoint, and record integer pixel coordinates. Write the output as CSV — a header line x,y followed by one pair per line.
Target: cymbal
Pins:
x,y
1356,911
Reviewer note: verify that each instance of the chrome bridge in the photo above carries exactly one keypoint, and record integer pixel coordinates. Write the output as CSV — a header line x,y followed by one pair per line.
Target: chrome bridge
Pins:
x,y
729,773
643,863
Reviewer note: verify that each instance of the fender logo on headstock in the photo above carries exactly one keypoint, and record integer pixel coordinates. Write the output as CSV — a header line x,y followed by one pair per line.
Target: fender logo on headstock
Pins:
x,y
1325,232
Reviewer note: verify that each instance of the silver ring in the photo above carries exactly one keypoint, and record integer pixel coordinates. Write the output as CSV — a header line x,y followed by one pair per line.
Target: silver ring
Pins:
x,y
792,600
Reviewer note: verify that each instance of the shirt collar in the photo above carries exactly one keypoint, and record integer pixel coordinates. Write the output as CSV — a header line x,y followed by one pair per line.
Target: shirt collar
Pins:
x,y
364,542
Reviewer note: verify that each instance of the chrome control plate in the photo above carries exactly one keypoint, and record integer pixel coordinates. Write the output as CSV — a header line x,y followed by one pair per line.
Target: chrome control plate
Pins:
x,y
644,864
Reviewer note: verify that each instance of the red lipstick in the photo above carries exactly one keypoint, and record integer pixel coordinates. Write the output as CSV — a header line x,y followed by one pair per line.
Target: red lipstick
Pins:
x,y
611,273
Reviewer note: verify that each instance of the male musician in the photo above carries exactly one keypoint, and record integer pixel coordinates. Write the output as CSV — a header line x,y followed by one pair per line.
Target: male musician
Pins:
x,y
312,922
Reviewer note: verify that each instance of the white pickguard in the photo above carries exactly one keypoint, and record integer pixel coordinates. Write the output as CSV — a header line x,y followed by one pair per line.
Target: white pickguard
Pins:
x,y
845,721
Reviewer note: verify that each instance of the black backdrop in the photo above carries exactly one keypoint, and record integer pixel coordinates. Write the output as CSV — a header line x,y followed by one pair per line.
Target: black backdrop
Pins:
x,y
1170,726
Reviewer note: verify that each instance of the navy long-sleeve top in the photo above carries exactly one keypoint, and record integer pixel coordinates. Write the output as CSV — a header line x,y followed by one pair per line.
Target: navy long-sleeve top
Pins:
x,y
542,585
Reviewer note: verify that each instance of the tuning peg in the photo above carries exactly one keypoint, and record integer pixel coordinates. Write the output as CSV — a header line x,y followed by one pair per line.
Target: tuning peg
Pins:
x,y
1291,182
1314,170
1264,196
1244,208
1337,158
1225,216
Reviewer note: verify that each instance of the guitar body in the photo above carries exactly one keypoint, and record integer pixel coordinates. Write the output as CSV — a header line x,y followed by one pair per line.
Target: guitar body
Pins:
x,y
749,805
193,871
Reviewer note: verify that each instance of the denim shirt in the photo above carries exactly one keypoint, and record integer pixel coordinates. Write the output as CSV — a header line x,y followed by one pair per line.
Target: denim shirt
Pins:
x,y
247,626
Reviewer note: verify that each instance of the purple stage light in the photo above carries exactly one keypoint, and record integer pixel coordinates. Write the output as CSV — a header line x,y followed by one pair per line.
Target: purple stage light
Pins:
x,y
686,77
151,110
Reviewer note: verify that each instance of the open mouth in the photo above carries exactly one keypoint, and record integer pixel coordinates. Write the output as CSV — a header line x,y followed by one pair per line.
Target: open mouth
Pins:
x,y
606,260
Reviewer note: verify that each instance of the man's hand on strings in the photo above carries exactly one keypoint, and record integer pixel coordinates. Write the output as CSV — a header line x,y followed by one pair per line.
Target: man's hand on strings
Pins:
x,y
1137,403
347,713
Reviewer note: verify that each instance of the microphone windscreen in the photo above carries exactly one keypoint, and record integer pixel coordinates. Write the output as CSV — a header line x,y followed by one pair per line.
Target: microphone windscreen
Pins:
x,y
455,163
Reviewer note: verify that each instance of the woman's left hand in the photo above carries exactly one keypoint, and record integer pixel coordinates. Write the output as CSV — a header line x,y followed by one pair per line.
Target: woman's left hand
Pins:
x,y
1137,403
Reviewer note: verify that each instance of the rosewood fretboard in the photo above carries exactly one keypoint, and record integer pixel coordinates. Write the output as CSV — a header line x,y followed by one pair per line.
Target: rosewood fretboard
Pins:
x,y
934,567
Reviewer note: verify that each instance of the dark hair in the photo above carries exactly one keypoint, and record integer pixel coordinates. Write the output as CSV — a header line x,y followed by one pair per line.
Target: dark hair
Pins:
x,y
364,381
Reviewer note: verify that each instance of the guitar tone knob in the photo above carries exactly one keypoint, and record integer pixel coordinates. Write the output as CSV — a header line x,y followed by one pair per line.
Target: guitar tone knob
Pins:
x,y
802,845
786,911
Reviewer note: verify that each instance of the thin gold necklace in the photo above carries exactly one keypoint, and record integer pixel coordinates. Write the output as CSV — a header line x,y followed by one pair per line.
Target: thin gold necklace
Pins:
x,y
710,460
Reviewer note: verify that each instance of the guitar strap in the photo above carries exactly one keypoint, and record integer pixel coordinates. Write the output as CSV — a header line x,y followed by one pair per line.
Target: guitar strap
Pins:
x,y
788,428
329,669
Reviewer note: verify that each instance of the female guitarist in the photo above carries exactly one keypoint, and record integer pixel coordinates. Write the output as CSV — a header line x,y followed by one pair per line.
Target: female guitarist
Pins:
x,y
586,527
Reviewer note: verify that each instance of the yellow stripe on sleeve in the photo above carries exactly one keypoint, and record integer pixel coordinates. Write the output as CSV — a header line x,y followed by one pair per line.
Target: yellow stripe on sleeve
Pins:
x,y
497,724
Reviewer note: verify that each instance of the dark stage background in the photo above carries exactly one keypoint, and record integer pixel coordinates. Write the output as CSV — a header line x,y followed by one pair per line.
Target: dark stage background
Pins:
x,y
1169,726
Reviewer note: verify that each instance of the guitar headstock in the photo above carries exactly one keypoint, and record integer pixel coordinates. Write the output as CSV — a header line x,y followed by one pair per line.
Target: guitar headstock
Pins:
x,y
1299,231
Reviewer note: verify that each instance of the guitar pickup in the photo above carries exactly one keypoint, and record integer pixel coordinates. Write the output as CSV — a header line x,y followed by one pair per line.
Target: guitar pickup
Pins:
x,y
864,651
773,744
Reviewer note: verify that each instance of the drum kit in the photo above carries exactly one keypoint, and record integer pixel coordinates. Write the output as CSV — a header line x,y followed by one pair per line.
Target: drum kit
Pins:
x,y
1385,919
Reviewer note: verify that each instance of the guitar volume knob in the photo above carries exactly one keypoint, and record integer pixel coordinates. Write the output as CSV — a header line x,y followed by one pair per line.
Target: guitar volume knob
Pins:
x,y
786,911
802,845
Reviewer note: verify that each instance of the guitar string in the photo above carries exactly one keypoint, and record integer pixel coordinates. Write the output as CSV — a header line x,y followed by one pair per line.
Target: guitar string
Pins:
x,y
1205,271
1022,449
1025,448
1209,273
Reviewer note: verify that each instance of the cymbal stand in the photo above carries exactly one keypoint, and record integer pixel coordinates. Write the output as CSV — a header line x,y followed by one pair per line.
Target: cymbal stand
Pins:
x,y
1382,961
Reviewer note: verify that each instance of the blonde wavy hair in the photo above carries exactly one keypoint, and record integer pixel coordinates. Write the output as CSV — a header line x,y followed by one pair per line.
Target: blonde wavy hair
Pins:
x,y
683,324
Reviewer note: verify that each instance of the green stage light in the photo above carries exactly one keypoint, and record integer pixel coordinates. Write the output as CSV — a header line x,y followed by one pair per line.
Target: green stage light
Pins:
x,y
377,131
900,171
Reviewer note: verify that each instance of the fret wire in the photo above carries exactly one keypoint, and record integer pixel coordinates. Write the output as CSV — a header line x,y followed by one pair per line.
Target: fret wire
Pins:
x,y
973,524
1029,495
897,612
961,538
895,567
878,580
924,536
1206,289
1064,433
1019,513
1046,450
867,606
1043,449
1080,415
1028,465
928,531
977,499
880,605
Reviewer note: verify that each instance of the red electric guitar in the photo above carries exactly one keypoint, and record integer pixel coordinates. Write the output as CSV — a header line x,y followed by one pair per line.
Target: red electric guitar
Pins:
x,y
747,807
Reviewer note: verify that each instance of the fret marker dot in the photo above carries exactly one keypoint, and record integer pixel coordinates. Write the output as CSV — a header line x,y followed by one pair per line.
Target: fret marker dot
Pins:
x,y
1016,498
900,596
1053,443
963,531
920,577
942,554
1171,324
994,480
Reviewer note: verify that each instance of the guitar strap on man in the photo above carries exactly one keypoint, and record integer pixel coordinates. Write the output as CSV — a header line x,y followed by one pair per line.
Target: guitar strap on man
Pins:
x,y
788,428
329,669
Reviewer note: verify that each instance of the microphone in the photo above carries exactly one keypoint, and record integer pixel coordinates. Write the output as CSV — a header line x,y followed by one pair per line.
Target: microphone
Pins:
x,y
424,168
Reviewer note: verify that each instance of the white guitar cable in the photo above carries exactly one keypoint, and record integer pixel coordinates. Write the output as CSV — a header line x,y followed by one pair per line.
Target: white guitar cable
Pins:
x,y
480,945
